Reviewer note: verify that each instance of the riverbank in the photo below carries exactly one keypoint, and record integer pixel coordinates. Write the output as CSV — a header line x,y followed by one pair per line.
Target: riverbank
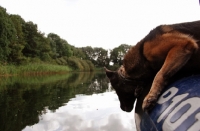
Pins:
x,y
33,69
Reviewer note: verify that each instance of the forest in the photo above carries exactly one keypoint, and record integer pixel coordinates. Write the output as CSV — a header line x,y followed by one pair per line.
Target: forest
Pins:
x,y
23,45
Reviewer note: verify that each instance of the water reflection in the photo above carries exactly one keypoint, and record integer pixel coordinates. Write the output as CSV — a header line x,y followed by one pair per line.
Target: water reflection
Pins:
x,y
73,102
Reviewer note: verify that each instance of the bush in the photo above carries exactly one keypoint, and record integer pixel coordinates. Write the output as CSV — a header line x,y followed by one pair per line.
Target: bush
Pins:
x,y
61,61
35,60
85,65
91,65
22,60
45,57
74,63
80,65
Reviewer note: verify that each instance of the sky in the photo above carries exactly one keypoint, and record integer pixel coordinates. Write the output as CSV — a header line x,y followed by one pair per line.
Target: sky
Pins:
x,y
102,23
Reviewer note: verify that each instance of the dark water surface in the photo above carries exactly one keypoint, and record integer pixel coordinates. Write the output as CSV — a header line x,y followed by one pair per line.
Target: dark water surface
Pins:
x,y
70,102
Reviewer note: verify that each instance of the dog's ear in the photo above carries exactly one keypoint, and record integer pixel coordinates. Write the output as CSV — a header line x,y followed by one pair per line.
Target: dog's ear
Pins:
x,y
110,74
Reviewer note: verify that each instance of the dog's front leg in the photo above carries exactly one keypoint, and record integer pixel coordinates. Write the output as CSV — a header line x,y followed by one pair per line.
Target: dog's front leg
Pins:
x,y
176,58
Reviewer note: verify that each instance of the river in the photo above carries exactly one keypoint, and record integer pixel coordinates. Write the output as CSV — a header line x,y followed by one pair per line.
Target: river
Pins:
x,y
68,102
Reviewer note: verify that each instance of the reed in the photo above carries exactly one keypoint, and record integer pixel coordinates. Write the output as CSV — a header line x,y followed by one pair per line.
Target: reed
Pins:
x,y
33,69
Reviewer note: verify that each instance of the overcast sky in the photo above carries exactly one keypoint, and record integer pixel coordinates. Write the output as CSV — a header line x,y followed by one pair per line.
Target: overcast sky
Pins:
x,y
102,23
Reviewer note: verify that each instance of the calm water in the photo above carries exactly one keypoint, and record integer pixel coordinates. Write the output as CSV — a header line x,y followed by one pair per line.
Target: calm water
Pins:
x,y
72,102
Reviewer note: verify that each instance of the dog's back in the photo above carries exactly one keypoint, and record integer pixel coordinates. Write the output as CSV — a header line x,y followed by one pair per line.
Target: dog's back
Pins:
x,y
190,28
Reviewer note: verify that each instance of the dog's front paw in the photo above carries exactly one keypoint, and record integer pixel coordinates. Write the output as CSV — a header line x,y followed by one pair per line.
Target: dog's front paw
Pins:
x,y
149,102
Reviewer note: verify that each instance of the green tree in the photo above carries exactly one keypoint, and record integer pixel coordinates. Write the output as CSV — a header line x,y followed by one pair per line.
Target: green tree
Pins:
x,y
44,47
98,56
117,54
89,52
31,32
52,44
59,47
78,52
66,48
101,57
37,44
19,43
7,34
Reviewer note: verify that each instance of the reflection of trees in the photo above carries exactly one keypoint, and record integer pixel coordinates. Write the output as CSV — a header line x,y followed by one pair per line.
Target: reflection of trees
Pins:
x,y
98,85
23,100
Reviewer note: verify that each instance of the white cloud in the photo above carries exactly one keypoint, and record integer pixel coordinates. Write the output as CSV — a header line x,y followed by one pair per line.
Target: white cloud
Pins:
x,y
98,112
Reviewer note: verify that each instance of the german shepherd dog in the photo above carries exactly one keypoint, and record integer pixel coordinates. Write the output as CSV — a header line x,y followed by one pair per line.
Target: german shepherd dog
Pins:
x,y
167,53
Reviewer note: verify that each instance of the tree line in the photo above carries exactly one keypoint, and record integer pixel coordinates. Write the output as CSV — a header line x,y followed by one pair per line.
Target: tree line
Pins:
x,y
21,42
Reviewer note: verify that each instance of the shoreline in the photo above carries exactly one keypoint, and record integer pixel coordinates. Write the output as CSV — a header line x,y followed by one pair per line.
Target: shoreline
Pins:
x,y
36,69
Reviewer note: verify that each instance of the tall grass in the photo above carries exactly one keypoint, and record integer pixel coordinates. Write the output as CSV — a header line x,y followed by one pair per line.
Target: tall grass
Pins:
x,y
33,69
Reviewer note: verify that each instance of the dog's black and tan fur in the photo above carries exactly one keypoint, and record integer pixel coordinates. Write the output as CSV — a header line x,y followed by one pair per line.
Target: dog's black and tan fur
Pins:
x,y
167,53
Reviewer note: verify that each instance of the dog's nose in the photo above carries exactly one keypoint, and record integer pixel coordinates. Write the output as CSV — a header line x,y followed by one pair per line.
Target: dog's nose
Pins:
x,y
127,109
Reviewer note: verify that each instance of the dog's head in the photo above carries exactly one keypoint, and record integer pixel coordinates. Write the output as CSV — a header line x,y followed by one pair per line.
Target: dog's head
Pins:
x,y
126,88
